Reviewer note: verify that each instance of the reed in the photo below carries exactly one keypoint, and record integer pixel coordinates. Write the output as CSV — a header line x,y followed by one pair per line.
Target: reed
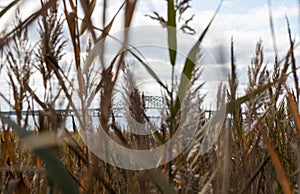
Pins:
x,y
257,150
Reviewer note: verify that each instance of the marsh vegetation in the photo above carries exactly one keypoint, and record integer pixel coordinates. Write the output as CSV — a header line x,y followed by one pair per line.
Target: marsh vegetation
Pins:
x,y
256,149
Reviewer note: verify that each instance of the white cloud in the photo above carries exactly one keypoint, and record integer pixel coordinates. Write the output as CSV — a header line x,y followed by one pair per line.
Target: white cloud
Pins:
x,y
246,27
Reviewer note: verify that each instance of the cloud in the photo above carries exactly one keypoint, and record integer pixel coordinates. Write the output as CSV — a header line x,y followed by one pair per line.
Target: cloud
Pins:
x,y
27,8
246,26
229,4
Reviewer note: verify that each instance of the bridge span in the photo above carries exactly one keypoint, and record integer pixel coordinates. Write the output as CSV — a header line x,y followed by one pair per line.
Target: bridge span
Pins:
x,y
151,103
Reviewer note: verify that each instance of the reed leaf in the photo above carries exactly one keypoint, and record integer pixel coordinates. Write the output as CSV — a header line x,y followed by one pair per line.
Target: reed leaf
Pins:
x,y
13,3
83,24
109,25
189,66
281,175
172,37
149,70
217,117
161,182
103,35
56,171
294,110
293,61
236,103
129,10
24,24
205,188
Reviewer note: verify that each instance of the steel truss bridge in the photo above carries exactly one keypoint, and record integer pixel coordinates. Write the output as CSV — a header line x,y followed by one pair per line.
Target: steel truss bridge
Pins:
x,y
151,102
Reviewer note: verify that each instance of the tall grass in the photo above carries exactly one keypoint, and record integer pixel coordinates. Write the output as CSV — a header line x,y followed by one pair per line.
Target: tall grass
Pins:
x,y
257,150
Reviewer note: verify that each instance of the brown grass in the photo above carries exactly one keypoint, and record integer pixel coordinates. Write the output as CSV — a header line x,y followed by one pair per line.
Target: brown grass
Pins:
x,y
257,150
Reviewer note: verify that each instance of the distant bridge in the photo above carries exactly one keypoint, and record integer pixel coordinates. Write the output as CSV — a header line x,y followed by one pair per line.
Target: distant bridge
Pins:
x,y
151,103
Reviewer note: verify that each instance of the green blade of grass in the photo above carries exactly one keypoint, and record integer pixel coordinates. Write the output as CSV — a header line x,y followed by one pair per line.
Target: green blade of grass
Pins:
x,y
8,7
55,169
228,108
189,66
172,38
236,103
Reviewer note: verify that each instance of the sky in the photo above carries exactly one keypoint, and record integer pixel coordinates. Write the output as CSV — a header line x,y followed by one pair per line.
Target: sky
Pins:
x,y
246,22
243,20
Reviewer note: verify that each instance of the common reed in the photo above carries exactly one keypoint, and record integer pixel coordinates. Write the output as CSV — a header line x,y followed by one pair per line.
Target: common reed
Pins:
x,y
256,151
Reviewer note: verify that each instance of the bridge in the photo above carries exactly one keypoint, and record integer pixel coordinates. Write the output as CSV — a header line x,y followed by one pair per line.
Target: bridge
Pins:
x,y
151,102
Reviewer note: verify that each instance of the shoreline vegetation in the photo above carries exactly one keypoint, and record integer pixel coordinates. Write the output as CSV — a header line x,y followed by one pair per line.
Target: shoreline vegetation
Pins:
x,y
250,145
